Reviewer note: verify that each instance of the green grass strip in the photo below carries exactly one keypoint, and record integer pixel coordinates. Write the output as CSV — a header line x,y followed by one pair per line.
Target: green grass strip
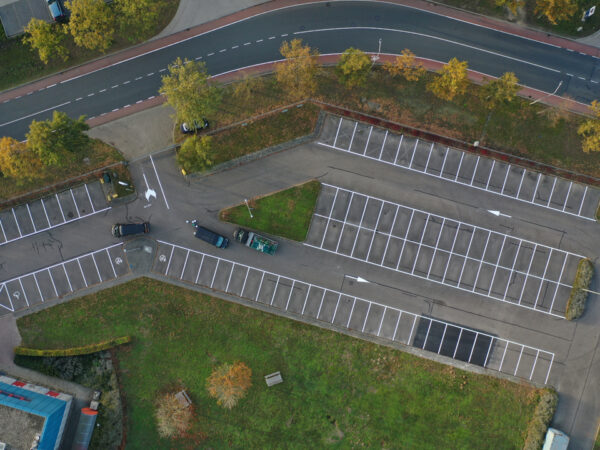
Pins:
x,y
337,391
285,213
579,294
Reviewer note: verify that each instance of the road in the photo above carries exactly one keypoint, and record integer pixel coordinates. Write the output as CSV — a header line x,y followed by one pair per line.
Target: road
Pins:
x,y
331,28
518,331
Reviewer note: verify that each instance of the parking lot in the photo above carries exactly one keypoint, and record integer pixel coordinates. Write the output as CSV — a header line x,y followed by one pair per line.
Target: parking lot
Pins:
x,y
456,166
443,250
315,302
63,278
51,212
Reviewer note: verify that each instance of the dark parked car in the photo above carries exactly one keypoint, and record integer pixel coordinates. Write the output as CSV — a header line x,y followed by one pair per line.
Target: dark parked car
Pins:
x,y
125,229
209,236
57,11
197,125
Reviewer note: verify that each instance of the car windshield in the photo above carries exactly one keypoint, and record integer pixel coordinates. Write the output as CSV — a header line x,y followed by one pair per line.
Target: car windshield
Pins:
x,y
220,241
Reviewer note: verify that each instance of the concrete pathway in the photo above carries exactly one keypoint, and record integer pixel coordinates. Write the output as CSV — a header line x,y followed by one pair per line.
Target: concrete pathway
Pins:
x,y
195,12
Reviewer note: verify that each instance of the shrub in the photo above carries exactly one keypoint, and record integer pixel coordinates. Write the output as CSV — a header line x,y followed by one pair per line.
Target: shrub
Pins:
x,y
576,303
85,350
229,382
544,411
172,418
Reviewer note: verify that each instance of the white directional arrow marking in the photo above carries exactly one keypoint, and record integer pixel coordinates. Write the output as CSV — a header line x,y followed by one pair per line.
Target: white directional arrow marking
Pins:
x,y
497,213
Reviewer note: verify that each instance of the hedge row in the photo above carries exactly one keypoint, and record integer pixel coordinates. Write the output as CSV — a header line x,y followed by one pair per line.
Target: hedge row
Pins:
x,y
538,425
74,351
576,303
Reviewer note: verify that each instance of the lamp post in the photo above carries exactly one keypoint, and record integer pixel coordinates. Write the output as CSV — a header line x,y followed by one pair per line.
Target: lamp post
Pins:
x,y
555,90
248,206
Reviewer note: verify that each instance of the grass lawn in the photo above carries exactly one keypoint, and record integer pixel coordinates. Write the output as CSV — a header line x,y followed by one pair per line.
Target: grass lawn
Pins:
x,y
99,155
336,389
267,131
19,64
517,128
285,213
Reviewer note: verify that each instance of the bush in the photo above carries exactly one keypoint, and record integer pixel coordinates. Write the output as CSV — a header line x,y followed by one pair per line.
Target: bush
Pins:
x,y
85,350
576,303
544,411
229,382
172,418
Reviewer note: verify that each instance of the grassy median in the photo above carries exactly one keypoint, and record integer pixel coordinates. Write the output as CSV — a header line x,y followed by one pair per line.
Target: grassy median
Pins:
x,y
285,213
336,389
98,155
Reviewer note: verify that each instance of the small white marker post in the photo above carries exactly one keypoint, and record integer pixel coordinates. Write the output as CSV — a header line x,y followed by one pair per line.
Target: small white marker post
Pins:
x,y
497,213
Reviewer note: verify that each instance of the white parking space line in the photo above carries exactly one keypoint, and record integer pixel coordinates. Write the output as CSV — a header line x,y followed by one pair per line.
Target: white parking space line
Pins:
x,y
62,213
318,295
75,203
31,217
511,269
159,183
50,226
455,178
4,285
17,222
89,198
3,233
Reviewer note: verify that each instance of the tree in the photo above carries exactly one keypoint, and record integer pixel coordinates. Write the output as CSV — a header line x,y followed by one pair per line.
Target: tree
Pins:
x,y
297,73
189,92
91,24
17,161
137,18
244,89
406,66
557,112
58,140
228,383
556,10
47,39
195,154
512,5
590,130
500,90
172,418
452,80
353,67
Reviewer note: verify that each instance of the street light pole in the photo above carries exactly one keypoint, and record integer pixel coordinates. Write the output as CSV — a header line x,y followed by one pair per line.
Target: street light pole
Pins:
x,y
248,206
555,90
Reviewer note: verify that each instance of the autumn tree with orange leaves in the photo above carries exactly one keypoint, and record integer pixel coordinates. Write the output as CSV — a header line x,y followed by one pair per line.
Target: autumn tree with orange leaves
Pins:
x,y
228,383
297,74
556,10
452,80
406,66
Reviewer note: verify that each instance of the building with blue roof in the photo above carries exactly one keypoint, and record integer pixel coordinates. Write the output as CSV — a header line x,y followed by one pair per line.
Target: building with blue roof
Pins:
x,y
19,399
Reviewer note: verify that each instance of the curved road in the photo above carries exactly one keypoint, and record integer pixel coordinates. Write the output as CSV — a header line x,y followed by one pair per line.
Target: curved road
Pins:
x,y
329,27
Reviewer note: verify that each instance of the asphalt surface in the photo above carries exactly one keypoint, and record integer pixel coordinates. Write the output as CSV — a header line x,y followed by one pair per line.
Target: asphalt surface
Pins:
x,y
402,306
329,27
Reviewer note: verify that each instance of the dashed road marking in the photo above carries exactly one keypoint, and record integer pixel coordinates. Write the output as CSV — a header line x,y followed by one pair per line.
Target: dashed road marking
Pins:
x,y
272,37
138,78
102,90
126,82
210,54
115,86
150,74
234,47
259,40
222,50
247,43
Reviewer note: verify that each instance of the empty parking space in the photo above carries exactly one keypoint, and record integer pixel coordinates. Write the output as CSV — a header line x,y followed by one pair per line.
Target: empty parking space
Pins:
x,y
318,303
51,211
459,167
63,278
443,250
